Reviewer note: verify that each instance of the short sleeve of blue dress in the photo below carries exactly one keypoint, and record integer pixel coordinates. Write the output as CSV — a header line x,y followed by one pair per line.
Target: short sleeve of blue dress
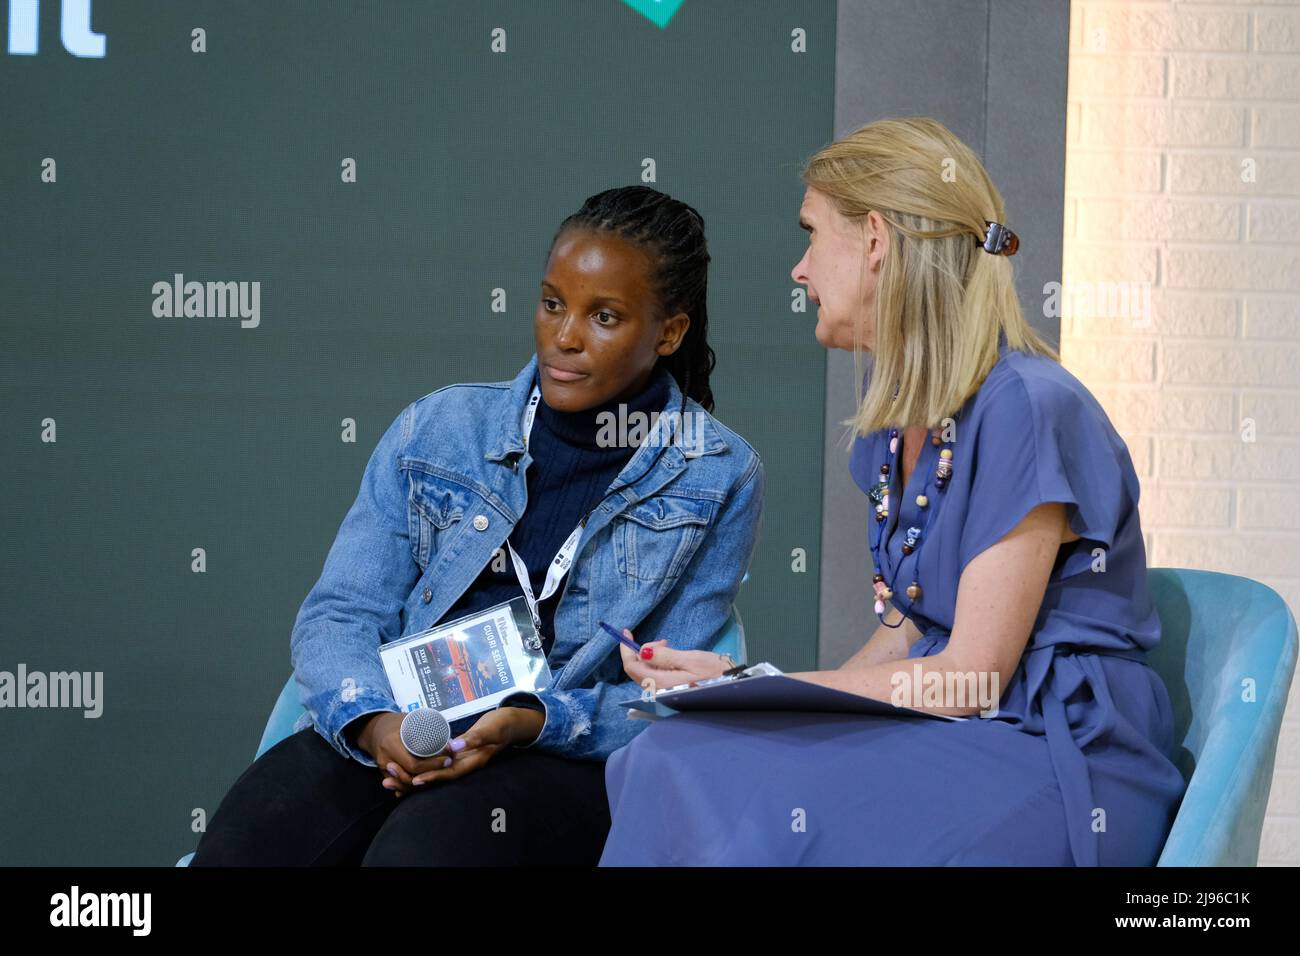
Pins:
x,y
1037,438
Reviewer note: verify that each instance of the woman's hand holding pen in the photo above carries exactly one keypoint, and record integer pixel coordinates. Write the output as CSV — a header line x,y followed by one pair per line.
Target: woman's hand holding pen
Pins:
x,y
669,667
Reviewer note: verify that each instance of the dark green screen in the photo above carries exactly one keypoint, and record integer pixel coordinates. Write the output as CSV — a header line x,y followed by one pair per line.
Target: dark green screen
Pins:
x,y
183,433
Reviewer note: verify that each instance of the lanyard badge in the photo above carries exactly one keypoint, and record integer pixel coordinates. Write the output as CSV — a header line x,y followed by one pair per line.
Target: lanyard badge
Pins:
x,y
563,559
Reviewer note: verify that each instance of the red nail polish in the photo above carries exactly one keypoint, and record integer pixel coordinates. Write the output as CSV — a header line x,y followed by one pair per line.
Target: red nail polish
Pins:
x,y
647,653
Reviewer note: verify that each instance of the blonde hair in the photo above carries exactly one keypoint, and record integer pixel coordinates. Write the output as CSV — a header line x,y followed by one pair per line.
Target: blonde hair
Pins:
x,y
941,301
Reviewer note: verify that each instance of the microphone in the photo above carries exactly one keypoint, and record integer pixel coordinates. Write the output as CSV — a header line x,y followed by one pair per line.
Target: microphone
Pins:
x,y
425,732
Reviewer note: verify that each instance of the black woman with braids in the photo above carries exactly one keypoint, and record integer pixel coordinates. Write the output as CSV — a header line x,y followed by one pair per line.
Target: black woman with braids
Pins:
x,y
656,533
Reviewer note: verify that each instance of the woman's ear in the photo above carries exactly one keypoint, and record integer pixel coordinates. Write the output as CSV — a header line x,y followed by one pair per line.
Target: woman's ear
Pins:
x,y
875,235
674,331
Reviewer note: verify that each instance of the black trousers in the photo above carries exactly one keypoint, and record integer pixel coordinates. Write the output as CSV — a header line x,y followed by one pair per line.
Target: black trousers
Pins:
x,y
303,804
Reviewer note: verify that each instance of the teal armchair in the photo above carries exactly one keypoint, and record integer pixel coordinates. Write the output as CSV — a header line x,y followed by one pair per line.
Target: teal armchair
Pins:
x,y
1227,655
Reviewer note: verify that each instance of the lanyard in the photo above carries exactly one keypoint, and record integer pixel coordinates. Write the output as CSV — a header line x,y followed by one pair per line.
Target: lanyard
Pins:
x,y
564,557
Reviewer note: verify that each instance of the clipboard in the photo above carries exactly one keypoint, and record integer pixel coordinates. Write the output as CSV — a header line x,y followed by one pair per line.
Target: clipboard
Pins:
x,y
764,687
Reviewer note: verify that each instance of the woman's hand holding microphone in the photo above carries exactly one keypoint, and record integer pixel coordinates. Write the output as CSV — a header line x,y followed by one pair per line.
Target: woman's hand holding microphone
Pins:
x,y
381,737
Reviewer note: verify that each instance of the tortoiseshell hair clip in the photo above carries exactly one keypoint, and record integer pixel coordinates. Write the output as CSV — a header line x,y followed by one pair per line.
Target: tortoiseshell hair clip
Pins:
x,y
1000,240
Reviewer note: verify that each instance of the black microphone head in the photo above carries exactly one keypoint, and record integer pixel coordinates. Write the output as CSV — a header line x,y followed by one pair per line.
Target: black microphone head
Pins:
x,y
425,732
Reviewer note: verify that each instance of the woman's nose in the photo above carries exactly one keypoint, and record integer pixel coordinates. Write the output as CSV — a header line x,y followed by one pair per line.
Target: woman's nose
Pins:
x,y
798,273
566,336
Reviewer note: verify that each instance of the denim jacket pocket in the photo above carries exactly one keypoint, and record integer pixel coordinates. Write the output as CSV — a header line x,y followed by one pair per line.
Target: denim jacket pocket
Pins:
x,y
435,507
655,538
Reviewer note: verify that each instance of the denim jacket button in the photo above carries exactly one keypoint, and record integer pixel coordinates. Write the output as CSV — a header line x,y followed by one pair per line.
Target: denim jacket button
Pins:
x,y
426,595
480,522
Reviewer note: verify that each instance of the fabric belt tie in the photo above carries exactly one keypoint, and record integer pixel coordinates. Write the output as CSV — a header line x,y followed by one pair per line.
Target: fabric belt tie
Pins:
x,y
1068,760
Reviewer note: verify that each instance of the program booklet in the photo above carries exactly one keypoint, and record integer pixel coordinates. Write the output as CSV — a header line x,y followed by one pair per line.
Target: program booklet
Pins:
x,y
468,665
762,687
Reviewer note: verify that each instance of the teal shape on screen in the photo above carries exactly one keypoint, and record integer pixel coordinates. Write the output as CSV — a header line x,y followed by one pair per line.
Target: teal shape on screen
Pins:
x,y
658,12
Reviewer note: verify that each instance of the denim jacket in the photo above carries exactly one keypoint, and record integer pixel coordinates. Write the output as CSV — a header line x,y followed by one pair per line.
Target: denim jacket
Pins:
x,y
443,490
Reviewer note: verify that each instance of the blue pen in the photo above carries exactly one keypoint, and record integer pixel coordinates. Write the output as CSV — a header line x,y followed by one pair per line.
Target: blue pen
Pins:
x,y
624,639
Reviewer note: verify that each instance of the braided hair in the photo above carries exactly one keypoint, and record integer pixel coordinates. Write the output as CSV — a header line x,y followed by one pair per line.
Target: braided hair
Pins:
x,y
671,233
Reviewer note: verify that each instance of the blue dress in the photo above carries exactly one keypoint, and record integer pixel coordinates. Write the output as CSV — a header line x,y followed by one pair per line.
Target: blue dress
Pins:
x,y
1073,768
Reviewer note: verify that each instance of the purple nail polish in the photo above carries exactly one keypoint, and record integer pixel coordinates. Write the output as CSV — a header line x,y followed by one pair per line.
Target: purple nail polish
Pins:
x,y
458,745
447,762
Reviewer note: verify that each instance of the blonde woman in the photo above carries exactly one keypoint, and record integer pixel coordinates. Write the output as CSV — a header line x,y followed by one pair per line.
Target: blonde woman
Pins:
x,y
1009,577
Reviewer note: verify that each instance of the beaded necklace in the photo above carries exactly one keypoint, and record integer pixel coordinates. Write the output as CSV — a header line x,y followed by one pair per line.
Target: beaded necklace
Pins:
x,y
879,494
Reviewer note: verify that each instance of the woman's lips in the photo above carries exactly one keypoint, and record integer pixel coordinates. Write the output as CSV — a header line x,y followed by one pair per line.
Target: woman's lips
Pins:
x,y
560,375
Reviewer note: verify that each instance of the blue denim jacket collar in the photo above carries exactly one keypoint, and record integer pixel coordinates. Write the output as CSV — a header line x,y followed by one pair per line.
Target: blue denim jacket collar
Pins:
x,y
510,437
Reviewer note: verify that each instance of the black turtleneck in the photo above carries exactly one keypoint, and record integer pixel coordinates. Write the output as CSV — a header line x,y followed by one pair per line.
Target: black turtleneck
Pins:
x,y
569,476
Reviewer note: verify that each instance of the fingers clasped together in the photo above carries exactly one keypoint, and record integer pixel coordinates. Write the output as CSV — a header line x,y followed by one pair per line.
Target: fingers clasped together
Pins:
x,y
492,732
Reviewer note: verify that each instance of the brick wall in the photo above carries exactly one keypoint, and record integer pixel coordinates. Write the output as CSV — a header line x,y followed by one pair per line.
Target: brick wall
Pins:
x,y
1180,295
